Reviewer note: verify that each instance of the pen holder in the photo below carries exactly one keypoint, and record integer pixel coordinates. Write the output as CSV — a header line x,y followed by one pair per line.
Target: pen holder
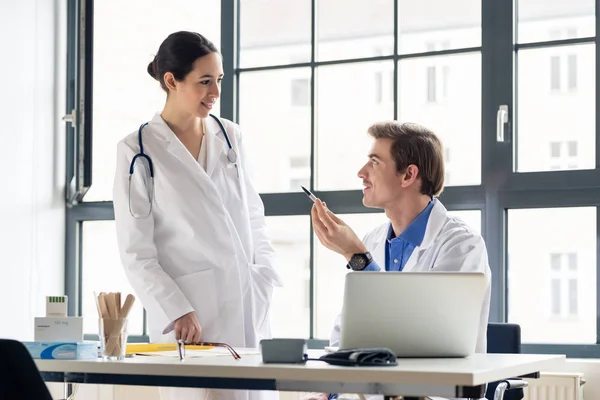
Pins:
x,y
113,338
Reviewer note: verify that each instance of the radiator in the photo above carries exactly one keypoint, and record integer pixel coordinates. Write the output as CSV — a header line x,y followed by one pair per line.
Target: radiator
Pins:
x,y
555,386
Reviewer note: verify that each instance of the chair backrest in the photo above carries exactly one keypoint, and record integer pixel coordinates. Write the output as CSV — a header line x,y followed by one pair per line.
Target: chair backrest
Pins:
x,y
506,339
19,376
503,338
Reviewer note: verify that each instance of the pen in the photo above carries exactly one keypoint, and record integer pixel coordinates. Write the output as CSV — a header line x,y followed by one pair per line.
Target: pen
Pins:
x,y
309,194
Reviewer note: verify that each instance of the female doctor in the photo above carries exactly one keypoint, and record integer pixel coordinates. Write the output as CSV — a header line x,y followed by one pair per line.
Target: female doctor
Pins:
x,y
190,224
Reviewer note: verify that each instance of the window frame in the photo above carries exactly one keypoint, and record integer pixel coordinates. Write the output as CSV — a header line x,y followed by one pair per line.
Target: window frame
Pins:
x,y
501,188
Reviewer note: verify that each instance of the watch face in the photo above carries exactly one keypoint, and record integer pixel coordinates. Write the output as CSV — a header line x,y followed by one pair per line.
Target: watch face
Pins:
x,y
359,262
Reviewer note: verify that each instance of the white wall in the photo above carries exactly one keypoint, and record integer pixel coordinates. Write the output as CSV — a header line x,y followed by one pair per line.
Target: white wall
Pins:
x,y
31,161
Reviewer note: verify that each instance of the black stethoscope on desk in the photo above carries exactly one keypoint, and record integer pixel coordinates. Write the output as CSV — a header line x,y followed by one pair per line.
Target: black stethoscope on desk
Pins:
x,y
231,157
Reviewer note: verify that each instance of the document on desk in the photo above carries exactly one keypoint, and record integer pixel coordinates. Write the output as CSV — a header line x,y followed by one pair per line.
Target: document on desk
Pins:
x,y
214,352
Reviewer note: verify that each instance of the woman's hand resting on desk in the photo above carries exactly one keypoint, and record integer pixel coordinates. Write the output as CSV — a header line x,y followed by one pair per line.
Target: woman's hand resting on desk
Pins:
x,y
316,396
187,328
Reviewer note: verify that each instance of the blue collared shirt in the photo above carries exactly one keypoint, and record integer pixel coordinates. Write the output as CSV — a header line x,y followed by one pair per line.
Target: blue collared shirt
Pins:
x,y
399,249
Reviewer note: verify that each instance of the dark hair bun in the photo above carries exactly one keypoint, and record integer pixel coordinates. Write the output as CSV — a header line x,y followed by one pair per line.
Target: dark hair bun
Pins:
x,y
177,54
152,68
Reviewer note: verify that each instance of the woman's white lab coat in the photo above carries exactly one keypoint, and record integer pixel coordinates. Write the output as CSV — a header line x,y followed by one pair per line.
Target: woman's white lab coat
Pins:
x,y
448,245
204,247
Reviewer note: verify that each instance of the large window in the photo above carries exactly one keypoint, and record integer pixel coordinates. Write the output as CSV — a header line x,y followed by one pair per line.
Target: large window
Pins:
x,y
124,94
349,70
510,87
449,102
281,157
290,314
102,272
556,83
552,273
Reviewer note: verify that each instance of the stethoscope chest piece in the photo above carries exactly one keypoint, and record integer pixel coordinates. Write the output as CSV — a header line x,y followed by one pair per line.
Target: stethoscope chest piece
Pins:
x,y
231,156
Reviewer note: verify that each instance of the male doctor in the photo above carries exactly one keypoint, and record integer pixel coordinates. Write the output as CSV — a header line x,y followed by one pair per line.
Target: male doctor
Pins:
x,y
403,175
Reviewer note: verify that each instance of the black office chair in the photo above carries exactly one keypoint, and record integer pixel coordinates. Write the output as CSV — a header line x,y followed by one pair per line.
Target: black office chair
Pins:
x,y
506,339
19,376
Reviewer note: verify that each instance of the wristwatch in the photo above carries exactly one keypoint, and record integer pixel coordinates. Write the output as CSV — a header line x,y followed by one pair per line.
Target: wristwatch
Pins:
x,y
359,261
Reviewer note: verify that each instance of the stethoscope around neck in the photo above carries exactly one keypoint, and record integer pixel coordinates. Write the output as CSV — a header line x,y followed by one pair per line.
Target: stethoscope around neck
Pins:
x,y
231,157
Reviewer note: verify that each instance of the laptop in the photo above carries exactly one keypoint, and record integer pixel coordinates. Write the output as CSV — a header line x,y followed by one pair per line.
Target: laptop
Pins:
x,y
414,314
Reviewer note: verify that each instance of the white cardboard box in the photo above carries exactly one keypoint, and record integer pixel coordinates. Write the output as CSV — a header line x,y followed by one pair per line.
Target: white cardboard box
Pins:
x,y
58,329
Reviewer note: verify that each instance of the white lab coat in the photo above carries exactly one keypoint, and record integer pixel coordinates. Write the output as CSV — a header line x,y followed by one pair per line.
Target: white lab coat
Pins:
x,y
448,245
204,248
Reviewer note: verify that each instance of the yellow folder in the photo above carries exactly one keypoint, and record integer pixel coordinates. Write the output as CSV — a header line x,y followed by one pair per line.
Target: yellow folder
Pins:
x,y
133,348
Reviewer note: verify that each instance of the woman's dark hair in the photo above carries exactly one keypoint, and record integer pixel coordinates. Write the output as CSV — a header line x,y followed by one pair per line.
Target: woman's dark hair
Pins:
x,y
177,54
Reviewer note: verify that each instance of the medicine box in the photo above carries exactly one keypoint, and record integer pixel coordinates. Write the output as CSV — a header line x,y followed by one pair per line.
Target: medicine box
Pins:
x,y
83,350
56,306
58,329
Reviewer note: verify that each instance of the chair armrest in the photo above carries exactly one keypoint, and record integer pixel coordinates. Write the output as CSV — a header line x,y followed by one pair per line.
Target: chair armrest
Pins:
x,y
508,384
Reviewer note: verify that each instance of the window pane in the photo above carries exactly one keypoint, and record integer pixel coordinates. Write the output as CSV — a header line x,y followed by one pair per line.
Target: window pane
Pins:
x,y
471,217
555,149
542,295
125,95
540,21
555,296
431,89
300,92
572,149
573,261
451,108
348,29
547,107
274,32
330,271
384,86
102,271
344,114
274,149
433,25
555,73
290,315
573,295
572,69
555,262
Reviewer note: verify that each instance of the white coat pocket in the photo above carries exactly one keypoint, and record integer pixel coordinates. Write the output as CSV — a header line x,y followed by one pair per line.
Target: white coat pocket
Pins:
x,y
232,177
262,293
200,290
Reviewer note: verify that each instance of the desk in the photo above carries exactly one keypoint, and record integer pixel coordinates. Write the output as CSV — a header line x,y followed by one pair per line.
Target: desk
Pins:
x,y
450,377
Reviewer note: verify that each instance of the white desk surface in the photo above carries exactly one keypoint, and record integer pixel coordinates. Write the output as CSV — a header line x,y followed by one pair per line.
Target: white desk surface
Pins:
x,y
476,370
